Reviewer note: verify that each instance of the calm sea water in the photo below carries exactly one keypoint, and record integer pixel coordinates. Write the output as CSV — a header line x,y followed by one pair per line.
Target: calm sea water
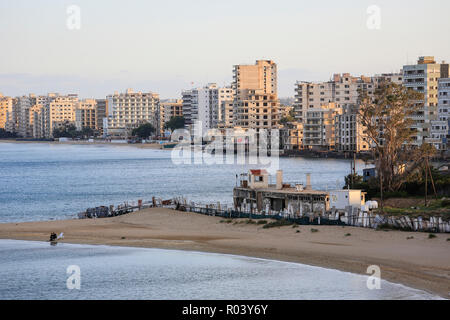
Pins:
x,y
44,181
36,270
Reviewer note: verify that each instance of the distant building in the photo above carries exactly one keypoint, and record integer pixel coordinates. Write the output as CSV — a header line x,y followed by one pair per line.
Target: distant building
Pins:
x,y
6,110
86,114
256,104
349,131
319,127
102,111
129,110
423,77
440,129
167,110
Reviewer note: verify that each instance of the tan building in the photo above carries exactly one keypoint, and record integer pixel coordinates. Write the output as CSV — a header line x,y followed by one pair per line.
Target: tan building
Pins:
x,y
60,112
256,104
102,111
169,109
291,136
6,111
129,110
319,127
86,114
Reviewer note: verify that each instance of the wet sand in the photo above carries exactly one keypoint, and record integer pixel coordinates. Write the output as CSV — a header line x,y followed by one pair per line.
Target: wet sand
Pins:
x,y
420,262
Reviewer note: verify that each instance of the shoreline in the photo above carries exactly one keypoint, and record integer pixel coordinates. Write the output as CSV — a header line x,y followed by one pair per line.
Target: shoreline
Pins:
x,y
418,263
96,143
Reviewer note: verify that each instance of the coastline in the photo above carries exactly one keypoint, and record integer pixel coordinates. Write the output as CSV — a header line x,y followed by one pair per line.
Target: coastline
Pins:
x,y
96,143
419,263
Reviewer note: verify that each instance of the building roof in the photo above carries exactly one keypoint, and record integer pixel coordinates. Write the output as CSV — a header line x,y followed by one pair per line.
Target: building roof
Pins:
x,y
259,172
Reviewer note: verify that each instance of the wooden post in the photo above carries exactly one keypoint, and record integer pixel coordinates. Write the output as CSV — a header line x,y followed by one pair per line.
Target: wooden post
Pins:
x,y
432,180
426,187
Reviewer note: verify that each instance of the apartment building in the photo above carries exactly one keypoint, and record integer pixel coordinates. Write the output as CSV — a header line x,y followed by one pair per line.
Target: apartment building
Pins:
x,y
291,136
256,104
128,110
423,77
349,132
205,105
342,90
319,127
86,115
168,109
440,128
102,111
6,112
225,115
58,113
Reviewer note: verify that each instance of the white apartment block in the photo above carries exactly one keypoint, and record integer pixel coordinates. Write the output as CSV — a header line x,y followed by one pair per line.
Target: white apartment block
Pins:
x,y
59,112
440,128
423,77
204,104
129,110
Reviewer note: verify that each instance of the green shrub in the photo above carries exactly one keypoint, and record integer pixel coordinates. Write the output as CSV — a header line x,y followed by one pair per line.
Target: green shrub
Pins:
x,y
314,230
431,236
262,222
279,223
348,234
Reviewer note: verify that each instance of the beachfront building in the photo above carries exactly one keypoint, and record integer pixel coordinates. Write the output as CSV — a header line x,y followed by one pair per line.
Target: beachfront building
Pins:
x,y
349,132
319,127
256,104
256,194
440,128
423,77
342,90
6,113
204,104
291,136
102,111
59,113
129,110
86,114
167,110
225,115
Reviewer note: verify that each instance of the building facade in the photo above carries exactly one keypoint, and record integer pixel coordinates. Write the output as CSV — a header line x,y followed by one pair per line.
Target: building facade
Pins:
x,y
129,110
256,105
423,77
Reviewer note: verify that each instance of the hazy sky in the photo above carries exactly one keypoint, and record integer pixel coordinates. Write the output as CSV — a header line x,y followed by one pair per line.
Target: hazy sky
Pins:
x,y
163,46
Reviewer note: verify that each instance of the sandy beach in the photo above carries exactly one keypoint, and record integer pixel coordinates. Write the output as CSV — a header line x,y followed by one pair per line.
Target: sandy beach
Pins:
x,y
419,262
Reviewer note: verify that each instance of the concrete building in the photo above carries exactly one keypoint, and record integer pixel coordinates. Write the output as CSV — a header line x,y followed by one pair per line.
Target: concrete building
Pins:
x,y
167,110
60,112
204,104
256,104
291,136
342,90
423,77
102,112
319,127
349,132
440,129
129,110
225,116
341,199
6,112
86,114
257,194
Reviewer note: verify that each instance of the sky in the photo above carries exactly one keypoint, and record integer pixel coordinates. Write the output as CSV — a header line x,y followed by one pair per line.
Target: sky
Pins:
x,y
172,45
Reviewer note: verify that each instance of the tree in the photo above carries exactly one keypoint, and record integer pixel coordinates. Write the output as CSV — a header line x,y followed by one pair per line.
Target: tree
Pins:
x,y
143,131
67,130
174,123
7,134
388,121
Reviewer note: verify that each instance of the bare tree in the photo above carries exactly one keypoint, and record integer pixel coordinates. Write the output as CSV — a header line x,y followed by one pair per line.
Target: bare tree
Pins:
x,y
389,125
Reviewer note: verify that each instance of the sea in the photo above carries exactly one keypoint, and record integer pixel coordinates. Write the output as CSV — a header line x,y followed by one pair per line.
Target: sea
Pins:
x,y
40,181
